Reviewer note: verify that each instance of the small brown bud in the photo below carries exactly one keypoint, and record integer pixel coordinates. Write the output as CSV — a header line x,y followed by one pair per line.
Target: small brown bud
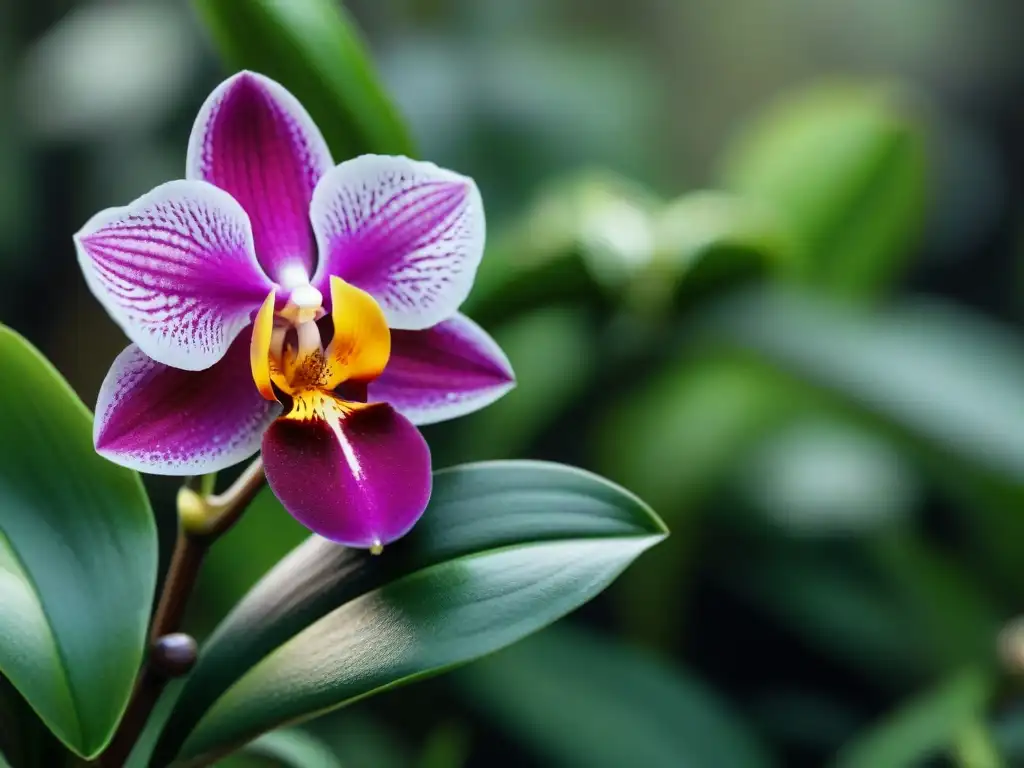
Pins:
x,y
174,655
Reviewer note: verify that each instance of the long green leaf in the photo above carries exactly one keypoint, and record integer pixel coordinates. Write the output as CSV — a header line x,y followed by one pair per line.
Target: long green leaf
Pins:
x,y
78,557
294,748
584,702
446,747
313,49
358,739
559,251
707,412
843,164
504,549
709,242
939,375
947,384
593,237
923,727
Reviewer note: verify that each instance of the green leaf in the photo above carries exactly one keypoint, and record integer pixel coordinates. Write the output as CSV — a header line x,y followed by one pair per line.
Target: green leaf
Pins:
x,y
937,374
833,606
708,242
976,747
596,236
843,165
78,557
447,746
947,384
824,476
710,410
313,49
504,549
293,747
581,240
582,701
347,737
921,729
955,613
360,740
1007,732
889,604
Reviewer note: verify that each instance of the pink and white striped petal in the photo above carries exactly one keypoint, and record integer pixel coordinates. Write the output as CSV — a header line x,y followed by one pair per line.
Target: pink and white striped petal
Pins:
x,y
253,139
176,270
166,421
356,474
443,372
408,233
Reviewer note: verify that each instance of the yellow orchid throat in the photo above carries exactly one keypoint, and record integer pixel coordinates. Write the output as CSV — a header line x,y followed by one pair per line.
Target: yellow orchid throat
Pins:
x,y
287,354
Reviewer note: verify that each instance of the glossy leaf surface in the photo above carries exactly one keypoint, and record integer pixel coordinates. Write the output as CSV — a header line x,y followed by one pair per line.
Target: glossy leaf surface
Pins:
x,y
843,165
923,728
289,747
941,376
503,549
579,700
78,556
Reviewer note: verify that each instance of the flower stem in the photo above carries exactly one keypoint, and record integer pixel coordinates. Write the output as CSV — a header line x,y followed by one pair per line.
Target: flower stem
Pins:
x,y
203,520
207,484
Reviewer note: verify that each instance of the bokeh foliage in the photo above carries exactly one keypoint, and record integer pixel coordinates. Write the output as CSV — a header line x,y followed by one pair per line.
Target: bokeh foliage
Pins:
x,y
760,306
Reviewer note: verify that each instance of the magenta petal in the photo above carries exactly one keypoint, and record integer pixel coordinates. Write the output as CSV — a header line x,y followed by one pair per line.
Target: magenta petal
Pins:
x,y
176,270
254,140
358,479
408,233
166,421
443,372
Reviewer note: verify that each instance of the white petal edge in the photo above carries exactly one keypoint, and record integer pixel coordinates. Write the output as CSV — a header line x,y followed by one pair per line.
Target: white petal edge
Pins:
x,y
367,171
132,361
152,342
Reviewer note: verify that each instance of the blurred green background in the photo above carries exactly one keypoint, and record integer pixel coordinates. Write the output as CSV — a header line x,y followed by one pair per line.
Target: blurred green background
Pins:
x,y
757,260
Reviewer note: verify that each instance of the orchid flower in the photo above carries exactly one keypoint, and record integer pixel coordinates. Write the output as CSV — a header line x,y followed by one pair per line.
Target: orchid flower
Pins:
x,y
278,301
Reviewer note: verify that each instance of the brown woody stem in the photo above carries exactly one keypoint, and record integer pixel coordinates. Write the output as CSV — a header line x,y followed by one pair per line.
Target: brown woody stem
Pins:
x,y
203,520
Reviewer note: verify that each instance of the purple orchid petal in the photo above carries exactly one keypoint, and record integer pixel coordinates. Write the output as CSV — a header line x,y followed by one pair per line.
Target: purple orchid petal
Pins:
x,y
359,478
408,233
176,270
253,139
443,372
165,421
